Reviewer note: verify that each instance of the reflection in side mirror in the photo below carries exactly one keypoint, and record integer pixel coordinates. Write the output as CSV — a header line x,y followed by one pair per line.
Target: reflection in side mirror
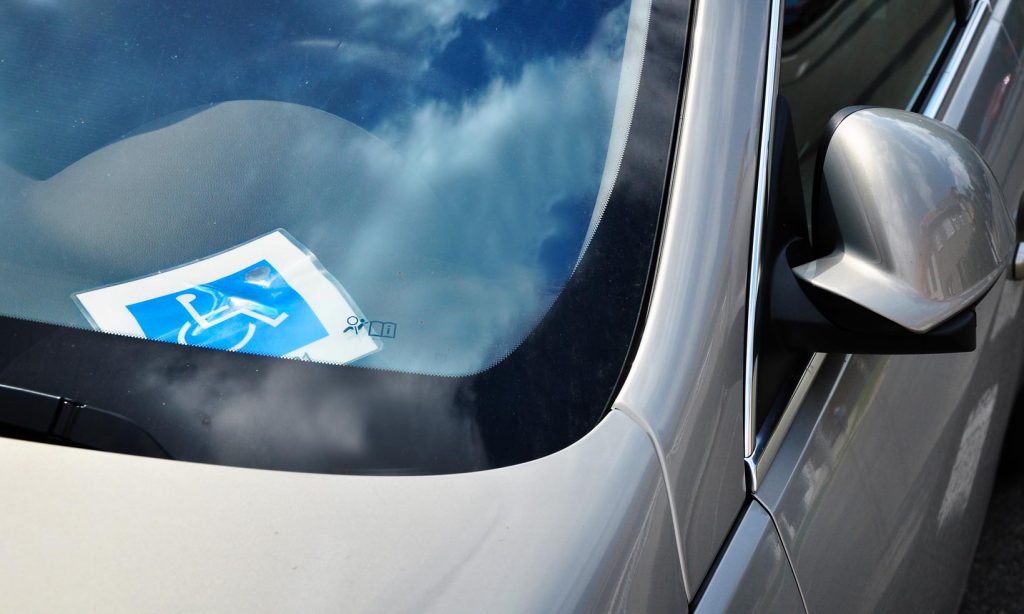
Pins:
x,y
909,232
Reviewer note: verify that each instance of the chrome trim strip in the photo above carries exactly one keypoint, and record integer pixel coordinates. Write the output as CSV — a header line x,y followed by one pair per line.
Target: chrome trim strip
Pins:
x,y
947,38
956,59
758,455
766,448
771,85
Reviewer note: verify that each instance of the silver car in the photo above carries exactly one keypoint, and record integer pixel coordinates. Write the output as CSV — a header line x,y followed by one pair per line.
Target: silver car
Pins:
x,y
505,306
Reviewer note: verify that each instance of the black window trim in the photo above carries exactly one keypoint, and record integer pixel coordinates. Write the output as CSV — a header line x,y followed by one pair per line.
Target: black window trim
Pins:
x,y
761,445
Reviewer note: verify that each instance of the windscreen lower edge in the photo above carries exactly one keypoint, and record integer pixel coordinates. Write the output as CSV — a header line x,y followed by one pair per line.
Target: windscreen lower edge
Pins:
x,y
208,406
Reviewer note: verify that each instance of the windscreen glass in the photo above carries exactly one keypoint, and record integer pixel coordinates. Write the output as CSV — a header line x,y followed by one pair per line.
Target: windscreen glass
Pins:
x,y
397,184
336,236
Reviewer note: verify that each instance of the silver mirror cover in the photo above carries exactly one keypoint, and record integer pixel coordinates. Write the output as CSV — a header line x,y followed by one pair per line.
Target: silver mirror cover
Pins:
x,y
921,227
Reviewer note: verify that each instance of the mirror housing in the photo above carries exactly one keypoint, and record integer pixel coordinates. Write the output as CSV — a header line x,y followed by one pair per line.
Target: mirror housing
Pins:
x,y
909,232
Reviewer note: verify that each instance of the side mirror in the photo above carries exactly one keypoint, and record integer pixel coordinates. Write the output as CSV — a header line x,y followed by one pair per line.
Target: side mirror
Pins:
x,y
909,232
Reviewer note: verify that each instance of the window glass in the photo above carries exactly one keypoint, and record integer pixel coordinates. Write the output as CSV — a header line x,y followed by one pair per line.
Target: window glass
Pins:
x,y
837,53
403,185
467,192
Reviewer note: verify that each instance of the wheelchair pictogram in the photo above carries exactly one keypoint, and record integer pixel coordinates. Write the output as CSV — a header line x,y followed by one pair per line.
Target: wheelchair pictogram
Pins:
x,y
253,309
219,315
268,296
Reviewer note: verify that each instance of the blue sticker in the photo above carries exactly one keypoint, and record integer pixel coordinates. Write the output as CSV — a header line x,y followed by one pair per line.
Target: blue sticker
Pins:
x,y
254,310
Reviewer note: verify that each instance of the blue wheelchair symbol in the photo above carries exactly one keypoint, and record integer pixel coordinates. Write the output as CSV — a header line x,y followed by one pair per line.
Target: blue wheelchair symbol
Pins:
x,y
253,310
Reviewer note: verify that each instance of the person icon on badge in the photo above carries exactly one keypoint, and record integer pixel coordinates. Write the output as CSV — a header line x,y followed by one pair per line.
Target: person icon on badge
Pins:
x,y
356,324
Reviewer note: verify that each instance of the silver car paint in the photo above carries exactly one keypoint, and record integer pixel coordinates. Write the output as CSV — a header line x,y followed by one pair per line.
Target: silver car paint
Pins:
x,y
880,487
1010,13
586,529
753,576
590,526
580,529
686,384
1003,146
915,252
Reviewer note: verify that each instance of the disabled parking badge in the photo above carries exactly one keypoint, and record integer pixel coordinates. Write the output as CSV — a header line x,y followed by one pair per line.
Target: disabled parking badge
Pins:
x,y
269,296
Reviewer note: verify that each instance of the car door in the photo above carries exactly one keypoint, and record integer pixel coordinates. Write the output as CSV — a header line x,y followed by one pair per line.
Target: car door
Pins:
x,y
876,469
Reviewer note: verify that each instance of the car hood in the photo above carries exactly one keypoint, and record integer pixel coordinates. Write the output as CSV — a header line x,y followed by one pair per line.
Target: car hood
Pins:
x,y
588,527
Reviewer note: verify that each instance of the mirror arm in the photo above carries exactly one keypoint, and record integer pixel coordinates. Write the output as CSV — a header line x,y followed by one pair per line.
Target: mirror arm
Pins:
x,y
798,315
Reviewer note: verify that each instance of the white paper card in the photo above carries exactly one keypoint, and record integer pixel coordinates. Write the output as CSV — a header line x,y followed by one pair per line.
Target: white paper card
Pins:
x,y
268,296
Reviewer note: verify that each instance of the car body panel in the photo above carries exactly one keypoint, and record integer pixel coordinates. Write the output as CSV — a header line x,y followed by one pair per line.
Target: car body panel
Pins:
x,y
686,382
880,487
1002,142
586,528
962,236
755,576
1010,13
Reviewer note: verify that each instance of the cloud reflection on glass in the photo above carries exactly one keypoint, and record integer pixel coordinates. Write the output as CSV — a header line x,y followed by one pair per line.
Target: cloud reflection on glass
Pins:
x,y
442,159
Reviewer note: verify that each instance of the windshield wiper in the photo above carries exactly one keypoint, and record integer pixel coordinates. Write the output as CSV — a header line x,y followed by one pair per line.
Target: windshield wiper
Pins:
x,y
37,416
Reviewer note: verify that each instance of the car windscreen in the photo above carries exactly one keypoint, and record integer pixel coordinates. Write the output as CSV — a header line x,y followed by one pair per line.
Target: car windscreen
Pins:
x,y
358,236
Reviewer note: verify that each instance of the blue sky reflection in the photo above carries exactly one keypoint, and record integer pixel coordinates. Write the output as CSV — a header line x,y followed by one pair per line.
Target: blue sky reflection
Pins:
x,y
481,130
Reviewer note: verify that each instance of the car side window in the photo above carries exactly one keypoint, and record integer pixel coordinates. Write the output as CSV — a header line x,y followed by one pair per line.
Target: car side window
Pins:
x,y
834,54
837,53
